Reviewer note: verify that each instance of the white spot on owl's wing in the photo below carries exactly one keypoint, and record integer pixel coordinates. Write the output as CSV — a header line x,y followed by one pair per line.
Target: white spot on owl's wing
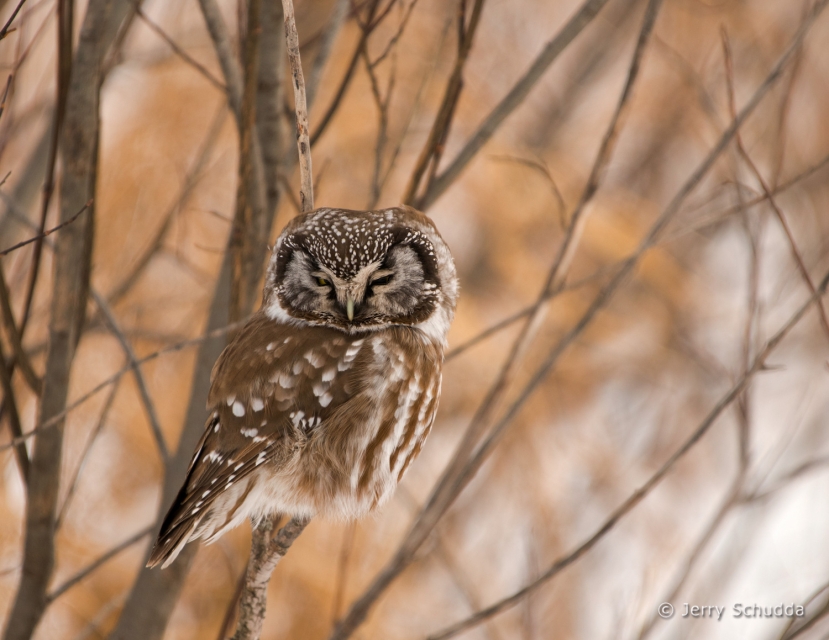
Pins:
x,y
238,409
315,359
257,404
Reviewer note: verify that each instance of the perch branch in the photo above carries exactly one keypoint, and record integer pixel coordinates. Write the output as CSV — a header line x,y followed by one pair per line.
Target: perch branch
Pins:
x,y
265,554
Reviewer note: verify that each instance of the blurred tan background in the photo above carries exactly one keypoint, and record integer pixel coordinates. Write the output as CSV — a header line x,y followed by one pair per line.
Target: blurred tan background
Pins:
x,y
731,525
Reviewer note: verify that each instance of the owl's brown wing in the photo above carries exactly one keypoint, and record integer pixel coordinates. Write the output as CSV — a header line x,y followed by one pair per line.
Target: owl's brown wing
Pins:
x,y
272,386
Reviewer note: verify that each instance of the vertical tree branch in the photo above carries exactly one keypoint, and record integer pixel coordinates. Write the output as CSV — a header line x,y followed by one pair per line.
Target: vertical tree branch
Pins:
x,y
72,264
303,142
269,101
246,233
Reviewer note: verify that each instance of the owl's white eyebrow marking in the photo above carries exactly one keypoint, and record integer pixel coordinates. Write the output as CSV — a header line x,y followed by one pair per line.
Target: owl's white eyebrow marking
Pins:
x,y
238,409
257,404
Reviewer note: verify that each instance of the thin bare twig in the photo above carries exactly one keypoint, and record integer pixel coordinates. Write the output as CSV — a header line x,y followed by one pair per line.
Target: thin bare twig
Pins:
x,y
341,576
106,557
434,145
47,233
396,37
146,400
224,51
6,94
191,179
306,188
93,437
10,404
637,496
13,334
349,74
382,104
181,53
798,258
5,30
329,35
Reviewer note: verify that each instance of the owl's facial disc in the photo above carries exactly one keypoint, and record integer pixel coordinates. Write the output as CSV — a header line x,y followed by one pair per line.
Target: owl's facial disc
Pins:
x,y
393,290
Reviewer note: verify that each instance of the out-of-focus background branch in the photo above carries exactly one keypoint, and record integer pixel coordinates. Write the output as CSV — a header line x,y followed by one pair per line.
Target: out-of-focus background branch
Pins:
x,y
634,403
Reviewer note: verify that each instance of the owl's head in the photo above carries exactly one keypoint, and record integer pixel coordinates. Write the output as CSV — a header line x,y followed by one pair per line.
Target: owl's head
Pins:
x,y
362,270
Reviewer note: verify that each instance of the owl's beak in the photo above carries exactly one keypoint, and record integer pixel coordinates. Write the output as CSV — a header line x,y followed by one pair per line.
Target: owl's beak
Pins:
x,y
349,308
